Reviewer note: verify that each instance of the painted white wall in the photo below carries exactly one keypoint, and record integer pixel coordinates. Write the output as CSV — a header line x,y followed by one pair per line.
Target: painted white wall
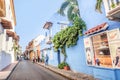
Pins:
x,y
5,59
4,40
5,55
6,51
38,39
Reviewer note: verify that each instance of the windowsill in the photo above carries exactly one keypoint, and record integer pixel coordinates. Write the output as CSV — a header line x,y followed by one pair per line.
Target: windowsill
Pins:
x,y
100,67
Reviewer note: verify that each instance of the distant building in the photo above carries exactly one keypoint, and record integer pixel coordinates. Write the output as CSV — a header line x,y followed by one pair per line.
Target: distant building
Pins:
x,y
33,48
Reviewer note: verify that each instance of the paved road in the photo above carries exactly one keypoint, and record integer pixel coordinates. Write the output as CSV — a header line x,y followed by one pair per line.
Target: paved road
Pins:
x,y
26,70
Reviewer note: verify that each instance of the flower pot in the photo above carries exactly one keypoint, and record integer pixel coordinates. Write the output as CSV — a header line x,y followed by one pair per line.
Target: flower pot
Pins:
x,y
66,68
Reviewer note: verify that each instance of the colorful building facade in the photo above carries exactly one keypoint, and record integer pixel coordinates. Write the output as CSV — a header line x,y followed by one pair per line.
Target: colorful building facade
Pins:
x,y
97,52
33,48
7,33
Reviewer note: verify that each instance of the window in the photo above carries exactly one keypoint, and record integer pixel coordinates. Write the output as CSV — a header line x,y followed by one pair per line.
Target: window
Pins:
x,y
103,49
2,8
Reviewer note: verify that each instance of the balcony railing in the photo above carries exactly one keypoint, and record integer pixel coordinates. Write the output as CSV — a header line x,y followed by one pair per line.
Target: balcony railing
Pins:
x,y
112,9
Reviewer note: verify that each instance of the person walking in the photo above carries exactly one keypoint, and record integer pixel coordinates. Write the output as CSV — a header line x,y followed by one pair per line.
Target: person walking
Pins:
x,y
46,59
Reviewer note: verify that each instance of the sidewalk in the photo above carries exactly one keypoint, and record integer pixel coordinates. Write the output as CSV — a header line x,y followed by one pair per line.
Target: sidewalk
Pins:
x,y
69,74
4,73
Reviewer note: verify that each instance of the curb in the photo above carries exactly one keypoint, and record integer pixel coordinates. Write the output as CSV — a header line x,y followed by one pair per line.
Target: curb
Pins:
x,y
57,72
12,70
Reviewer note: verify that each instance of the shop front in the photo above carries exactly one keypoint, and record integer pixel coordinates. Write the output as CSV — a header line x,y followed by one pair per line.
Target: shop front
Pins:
x,y
102,49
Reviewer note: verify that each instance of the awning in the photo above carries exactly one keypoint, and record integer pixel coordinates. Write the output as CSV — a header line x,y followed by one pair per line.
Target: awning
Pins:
x,y
6,24
98,28
47,25
10,33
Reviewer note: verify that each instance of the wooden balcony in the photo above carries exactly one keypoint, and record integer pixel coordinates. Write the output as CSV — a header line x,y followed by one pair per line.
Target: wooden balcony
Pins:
x,y
10,33
6,23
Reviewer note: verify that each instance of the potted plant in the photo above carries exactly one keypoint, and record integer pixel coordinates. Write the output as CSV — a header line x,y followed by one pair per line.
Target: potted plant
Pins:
x,y
64,66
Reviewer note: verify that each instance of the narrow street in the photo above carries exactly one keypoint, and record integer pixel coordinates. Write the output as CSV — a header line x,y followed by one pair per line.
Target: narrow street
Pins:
x,y
26,70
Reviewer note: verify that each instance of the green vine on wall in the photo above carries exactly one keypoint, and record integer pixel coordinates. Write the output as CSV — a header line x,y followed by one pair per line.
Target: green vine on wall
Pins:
x,y
69,36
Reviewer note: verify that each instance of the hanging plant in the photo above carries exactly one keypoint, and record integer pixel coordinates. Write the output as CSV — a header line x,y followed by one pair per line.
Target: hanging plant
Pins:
x,y
69,36
98,6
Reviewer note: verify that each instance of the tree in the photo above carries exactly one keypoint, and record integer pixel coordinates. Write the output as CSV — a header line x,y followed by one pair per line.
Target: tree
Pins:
x,y
16,49
69,36
71,6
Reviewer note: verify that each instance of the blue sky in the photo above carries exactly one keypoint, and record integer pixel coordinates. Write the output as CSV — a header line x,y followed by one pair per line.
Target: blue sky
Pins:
x,y
31,16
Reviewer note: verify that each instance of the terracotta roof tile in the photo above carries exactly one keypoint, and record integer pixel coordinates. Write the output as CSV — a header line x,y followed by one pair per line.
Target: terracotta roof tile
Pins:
x,y
96,29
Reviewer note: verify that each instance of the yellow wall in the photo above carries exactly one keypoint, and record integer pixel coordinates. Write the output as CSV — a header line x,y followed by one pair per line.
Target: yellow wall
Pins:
x,y
31,55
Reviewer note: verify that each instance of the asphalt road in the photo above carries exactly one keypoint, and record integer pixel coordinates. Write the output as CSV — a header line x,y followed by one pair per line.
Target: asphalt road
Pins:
x,y
26,70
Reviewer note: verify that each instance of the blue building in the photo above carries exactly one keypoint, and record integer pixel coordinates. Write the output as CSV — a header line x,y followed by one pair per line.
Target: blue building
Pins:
x,y
97,52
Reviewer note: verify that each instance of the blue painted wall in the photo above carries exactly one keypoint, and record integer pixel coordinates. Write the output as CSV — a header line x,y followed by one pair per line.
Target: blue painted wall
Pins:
x,y
55,28
76,55
93,18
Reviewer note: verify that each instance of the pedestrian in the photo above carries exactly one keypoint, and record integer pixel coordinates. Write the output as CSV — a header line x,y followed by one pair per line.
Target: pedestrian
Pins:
x,y
33,59
46,59
117,58
38,59
98,62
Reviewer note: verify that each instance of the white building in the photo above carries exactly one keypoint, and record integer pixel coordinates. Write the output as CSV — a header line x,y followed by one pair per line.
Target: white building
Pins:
x,y
7,32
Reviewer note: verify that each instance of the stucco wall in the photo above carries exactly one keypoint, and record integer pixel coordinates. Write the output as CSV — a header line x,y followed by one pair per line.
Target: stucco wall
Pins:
x,y
93,18
6,52
76,55
5,59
